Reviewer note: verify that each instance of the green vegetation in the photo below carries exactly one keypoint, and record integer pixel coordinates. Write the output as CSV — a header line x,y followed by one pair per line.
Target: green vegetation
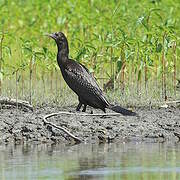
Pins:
x,y
132,44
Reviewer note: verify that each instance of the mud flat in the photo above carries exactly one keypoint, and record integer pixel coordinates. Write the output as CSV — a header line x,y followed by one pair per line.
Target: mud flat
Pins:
x,y
25,126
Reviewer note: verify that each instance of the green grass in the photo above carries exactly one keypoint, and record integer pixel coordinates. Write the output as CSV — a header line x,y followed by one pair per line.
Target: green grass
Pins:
x,y
133,42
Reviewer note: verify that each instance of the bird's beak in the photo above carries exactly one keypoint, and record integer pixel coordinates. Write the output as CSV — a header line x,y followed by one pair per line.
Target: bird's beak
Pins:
x,y
52,35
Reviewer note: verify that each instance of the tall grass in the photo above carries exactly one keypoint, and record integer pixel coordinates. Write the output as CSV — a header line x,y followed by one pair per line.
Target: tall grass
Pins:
x,y
133,44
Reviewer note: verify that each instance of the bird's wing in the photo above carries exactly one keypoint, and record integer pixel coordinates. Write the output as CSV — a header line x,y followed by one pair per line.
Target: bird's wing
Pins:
x,y
92,78
80,69
80,76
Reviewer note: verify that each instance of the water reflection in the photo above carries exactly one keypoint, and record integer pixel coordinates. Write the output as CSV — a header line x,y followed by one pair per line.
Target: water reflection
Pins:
x,y
91,161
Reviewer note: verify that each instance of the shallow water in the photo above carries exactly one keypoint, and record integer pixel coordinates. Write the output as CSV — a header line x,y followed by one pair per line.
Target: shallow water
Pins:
x,y
91,161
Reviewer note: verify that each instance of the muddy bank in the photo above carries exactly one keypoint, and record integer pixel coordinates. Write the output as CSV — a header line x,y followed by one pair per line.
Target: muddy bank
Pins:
x,y
24,126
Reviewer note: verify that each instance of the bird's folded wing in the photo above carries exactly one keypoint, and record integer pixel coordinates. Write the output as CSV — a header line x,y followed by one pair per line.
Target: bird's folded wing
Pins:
x,y
82,73
85,82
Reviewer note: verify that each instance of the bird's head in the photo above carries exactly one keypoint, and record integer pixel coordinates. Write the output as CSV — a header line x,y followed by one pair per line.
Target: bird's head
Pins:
x,y
60,39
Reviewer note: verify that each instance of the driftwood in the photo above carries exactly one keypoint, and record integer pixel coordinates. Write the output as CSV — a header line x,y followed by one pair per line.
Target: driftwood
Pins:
x,y
14,102
85,114
78,140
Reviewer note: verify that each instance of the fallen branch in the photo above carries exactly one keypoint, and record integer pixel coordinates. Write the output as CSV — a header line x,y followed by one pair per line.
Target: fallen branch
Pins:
x,y
14,102
58,127
166,103
76,114
85,114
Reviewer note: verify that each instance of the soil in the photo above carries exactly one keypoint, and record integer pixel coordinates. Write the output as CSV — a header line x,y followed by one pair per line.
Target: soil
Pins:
x,y
24,126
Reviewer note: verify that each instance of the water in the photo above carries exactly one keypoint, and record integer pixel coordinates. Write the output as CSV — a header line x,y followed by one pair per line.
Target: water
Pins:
x,y
91,161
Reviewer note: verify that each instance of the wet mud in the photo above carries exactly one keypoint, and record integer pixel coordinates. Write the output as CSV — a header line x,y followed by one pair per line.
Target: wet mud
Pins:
x,y
152,125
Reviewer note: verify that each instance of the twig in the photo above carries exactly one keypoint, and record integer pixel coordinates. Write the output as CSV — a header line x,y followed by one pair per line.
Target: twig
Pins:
x,y
14,102
77,114
58,127
170,102
85,114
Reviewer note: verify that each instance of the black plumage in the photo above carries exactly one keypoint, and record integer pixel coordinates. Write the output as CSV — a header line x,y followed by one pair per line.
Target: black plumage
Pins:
x,y
80,80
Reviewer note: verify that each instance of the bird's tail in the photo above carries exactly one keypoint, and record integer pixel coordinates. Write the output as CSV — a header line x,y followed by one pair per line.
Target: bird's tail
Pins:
x,y
121,110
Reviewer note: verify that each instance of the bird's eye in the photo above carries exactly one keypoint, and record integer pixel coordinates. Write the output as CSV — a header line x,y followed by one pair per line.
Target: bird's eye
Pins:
x,y
56,34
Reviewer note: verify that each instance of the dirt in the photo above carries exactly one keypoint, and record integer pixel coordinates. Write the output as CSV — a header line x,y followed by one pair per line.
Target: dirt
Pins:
x,y
24,126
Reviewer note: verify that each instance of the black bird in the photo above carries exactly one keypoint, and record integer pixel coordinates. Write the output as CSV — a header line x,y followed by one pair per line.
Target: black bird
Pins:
x,y
81,81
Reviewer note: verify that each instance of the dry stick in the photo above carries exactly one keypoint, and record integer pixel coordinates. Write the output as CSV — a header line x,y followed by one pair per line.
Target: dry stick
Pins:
x,y
84,114
15,102
58,127
174,75
77,114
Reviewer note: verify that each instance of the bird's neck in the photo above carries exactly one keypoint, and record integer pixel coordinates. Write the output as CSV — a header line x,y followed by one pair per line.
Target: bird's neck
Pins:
x,y
63,53
63,48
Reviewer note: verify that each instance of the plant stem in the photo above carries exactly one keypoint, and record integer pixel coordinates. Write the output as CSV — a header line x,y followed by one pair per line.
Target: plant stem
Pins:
x,y
16,88
163,70
34,75
22,81
111,54
30,81
1,59
123,69
51,80
145,75
56,84
43,81
174,74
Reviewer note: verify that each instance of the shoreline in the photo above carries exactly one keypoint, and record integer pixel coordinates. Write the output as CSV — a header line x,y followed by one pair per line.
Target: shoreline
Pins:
x,y
20,126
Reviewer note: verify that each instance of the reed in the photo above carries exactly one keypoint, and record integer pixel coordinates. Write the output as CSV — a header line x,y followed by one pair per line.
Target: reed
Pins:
x,y
125,45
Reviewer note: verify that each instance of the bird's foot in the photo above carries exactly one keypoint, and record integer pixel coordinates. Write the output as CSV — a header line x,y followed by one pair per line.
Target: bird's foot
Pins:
x,y
84,108
78,106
